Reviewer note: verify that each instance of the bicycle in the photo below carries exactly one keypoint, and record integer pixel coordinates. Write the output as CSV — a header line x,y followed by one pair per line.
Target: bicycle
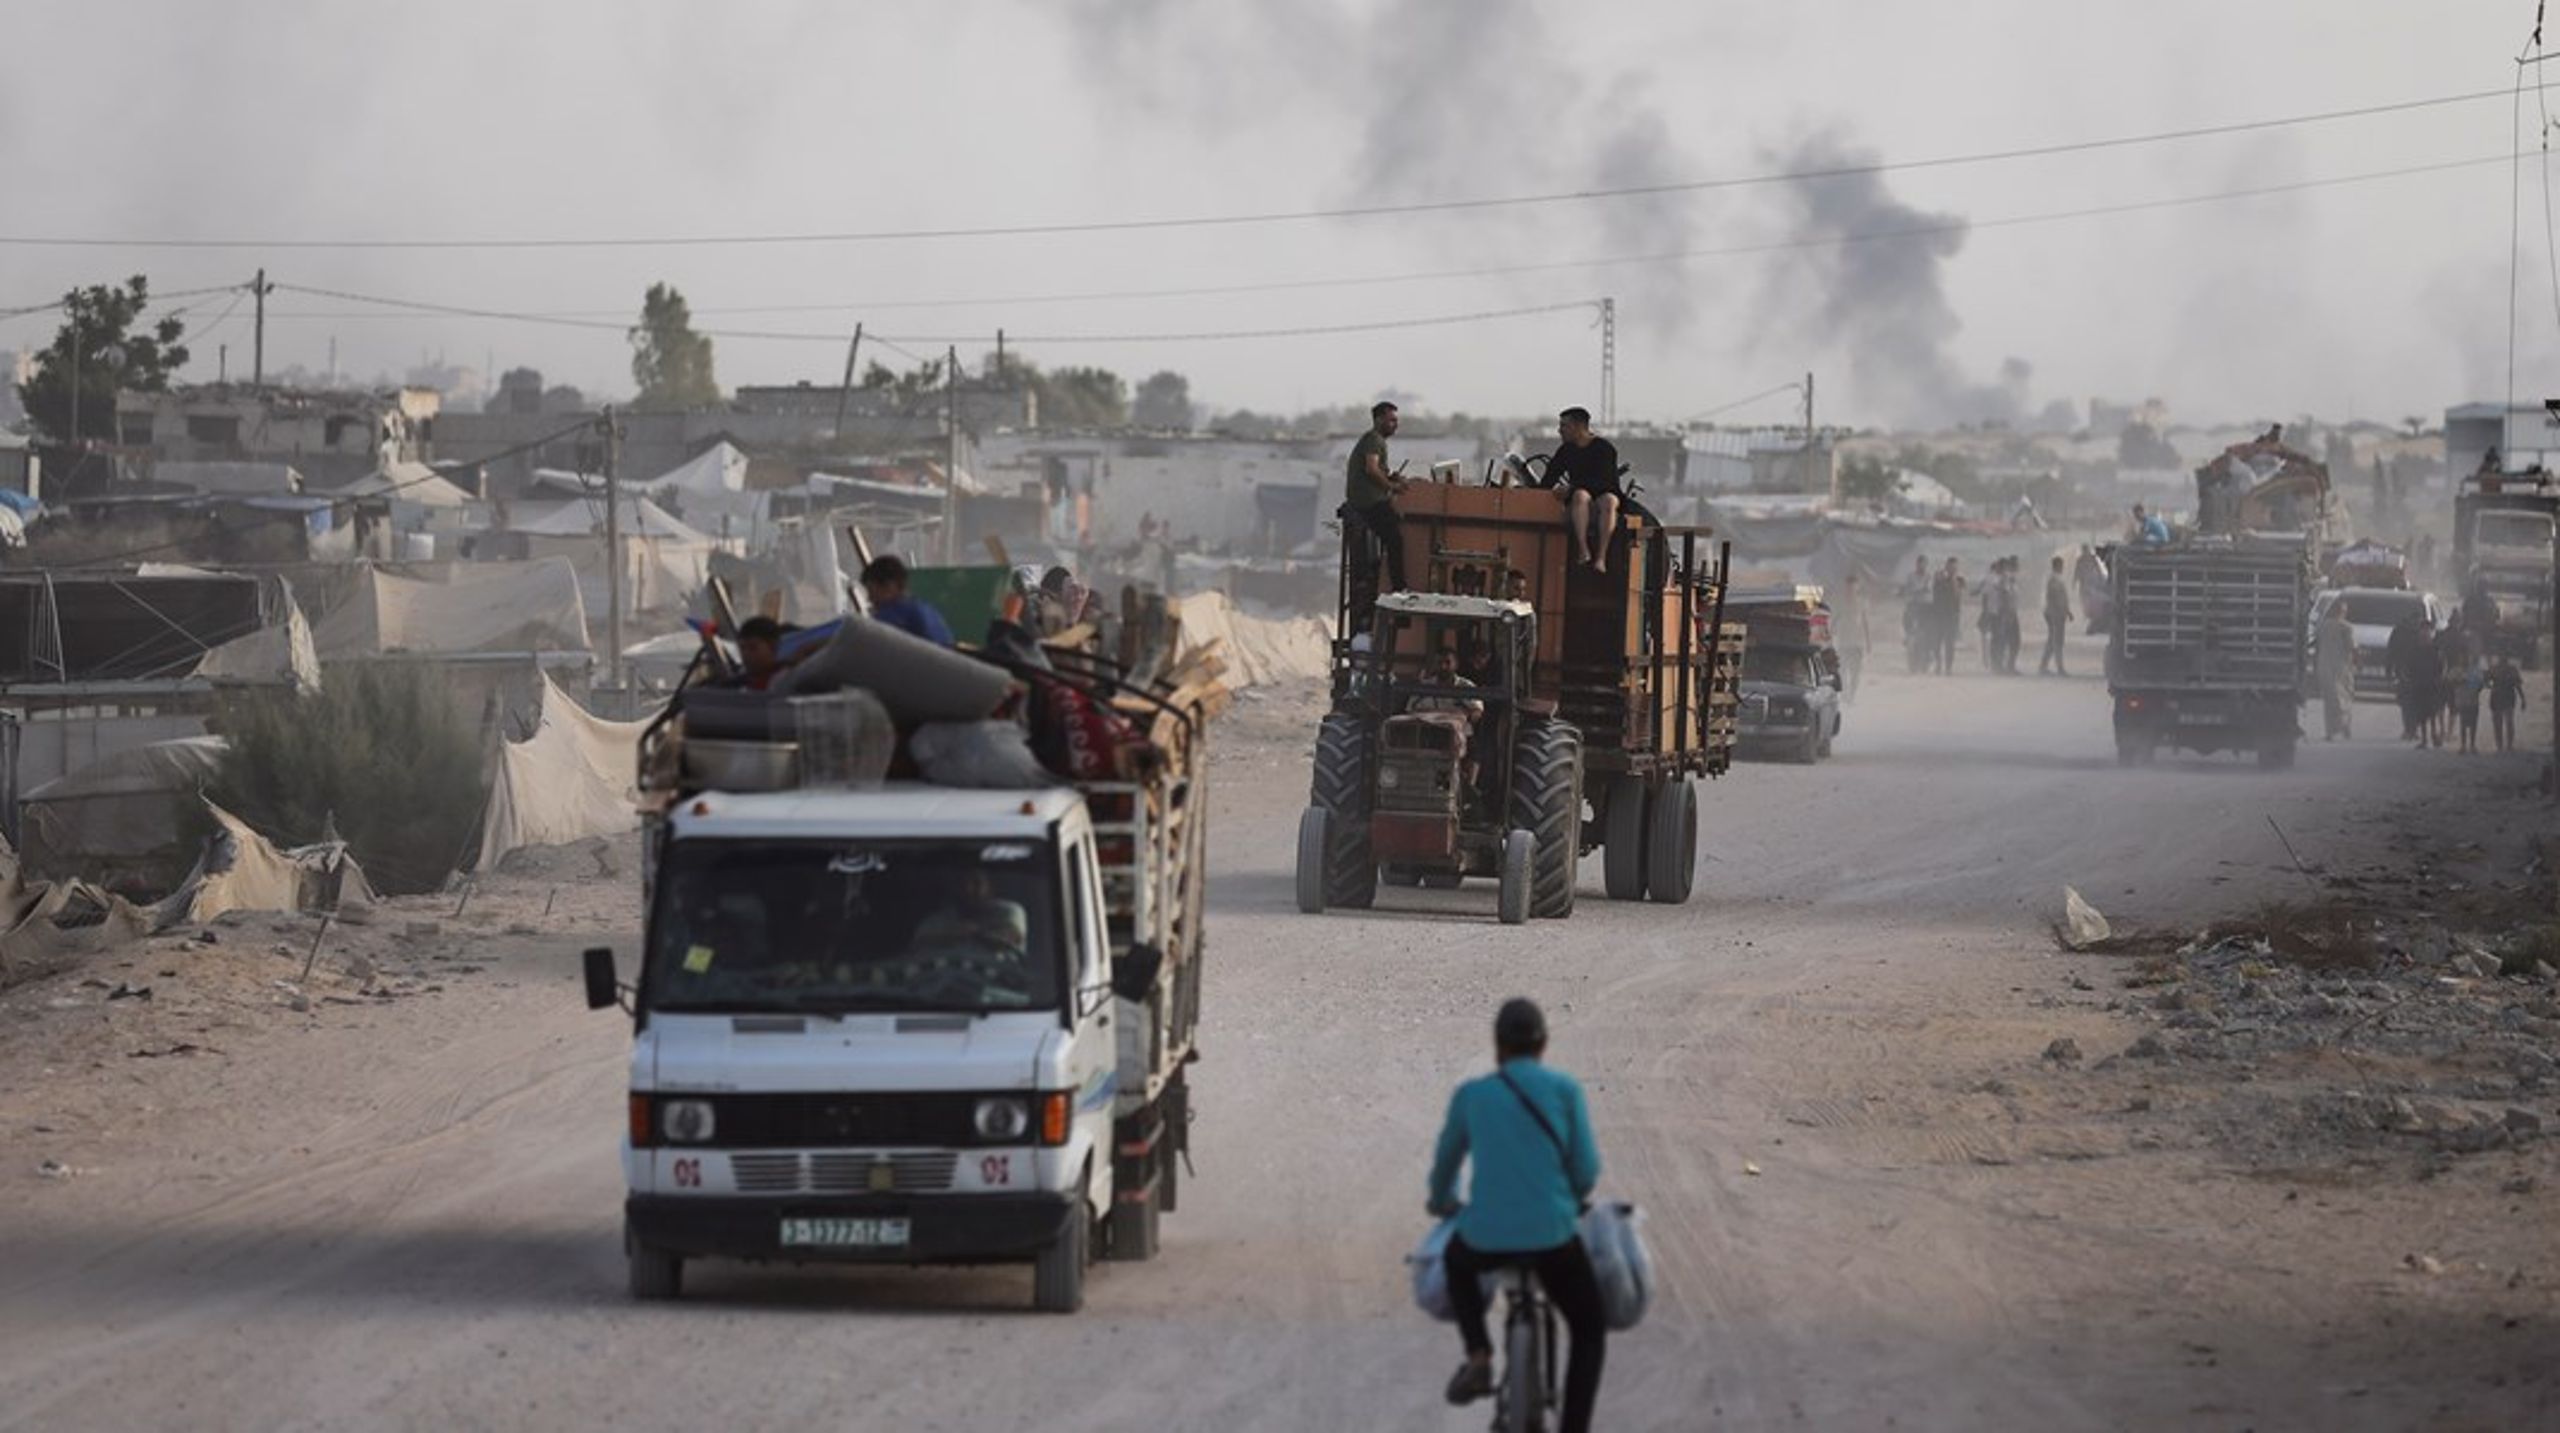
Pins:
x,y
1524,1394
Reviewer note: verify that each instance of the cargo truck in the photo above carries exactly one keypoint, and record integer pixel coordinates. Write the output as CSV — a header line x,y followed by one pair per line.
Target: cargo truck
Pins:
x,y
909,1024
2210,649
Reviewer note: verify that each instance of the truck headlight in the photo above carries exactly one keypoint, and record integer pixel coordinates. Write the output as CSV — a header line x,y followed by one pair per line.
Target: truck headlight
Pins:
x,y
1001,1119
1389,778
686,1121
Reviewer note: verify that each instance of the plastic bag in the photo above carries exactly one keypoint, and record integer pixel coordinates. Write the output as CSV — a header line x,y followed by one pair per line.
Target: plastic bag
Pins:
x,y
1431,1272
1620,1260
990,755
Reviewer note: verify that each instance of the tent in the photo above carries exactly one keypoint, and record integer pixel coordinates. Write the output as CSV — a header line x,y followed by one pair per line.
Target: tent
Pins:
x,y
484,609
573,779
281,655
412,483
241,870
664,561
116,821
710,492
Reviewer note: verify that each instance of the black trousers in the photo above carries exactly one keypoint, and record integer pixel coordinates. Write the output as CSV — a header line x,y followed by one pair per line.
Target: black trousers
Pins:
x,y
1565,1273
1383,524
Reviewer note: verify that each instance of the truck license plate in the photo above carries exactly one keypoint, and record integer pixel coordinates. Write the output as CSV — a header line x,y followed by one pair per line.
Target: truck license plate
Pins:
x,y
2202,718
844,1233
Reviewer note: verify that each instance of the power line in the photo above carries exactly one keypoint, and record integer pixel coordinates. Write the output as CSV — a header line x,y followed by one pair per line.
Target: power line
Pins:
x,y
1911,231
1370,326
1765,393
1281,216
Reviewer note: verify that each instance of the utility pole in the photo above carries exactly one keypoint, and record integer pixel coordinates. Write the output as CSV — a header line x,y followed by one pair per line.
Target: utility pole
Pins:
x,y
613,554
951,460
260,288
1609,362
1834,485
844,395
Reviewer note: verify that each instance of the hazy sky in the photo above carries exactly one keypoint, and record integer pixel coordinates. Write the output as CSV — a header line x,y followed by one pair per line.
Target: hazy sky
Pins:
x,y
635,118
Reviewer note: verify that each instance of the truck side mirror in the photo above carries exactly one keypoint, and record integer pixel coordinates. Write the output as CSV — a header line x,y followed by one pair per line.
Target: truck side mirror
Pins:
x,y
1134,974
602,989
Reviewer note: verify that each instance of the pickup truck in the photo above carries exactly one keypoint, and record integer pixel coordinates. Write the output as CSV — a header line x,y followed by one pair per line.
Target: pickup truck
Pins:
x,y
911,1024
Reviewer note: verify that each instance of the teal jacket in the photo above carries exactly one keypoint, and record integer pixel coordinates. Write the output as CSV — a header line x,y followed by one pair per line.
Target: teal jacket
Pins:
x,y
1524,1193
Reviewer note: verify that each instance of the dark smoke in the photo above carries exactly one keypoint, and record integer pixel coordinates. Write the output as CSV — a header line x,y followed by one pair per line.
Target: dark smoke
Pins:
x,y
1879,304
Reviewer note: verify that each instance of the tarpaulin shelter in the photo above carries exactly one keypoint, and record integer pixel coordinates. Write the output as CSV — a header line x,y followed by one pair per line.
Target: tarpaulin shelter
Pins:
x,y
241,870
118,821
1257,650
521,609
710,492
574,779
664,561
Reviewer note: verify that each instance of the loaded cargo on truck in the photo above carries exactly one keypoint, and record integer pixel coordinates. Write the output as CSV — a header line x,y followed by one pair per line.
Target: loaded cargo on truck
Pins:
x,y
883,1017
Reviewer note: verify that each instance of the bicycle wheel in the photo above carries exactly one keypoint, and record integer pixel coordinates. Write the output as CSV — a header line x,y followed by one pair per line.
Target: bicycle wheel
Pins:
x,y
1524,1378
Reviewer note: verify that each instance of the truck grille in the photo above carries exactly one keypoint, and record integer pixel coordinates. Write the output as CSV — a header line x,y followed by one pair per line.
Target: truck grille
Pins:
x,y
849,1173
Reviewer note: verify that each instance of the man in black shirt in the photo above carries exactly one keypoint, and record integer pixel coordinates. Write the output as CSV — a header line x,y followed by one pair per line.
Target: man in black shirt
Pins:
x,y
1586,468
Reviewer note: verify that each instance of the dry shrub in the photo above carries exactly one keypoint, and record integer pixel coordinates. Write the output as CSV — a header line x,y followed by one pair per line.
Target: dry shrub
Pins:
x,y
378,752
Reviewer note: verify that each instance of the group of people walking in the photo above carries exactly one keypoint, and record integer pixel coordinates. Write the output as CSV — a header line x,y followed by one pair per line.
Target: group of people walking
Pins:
x,y
1933,603
2441,677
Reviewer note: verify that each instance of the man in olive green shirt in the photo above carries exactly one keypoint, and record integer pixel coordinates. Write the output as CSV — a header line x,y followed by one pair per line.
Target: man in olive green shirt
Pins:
x,y
1369,491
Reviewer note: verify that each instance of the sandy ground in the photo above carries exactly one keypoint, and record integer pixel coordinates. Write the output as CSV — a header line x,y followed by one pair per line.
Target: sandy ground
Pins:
x,y
1875,1204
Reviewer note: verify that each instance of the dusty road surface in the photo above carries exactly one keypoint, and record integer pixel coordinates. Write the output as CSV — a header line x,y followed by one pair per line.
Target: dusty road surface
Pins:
x,y
1875,1203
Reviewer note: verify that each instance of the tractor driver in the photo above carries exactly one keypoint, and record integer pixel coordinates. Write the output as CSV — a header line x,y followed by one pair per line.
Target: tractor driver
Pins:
x,y
1457,712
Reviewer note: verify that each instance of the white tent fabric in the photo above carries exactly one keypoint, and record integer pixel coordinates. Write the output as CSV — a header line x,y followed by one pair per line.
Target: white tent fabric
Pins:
x,y
277,655
664,562
409,483
231,479
574,779
711,492
243,871
484,608
1258,651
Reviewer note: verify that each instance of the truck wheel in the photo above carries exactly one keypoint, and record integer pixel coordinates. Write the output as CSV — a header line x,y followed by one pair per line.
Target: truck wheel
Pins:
x,y
1546,801
1136,1226
1824,750
1811,751
1342,789
1314,850
655,1274
1671,851
1519,869
2128,751
2276,754
1622,844
1057,1276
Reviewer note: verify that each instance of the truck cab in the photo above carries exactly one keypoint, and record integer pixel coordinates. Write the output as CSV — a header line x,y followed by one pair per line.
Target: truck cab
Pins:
x,y
1790,674
2502,548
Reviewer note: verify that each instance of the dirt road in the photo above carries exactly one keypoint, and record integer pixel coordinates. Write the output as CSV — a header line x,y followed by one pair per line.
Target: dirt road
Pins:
x,y
1874,1203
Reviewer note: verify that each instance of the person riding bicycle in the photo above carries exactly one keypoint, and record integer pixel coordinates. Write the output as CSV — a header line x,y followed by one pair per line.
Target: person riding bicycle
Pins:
x,y
1527,1130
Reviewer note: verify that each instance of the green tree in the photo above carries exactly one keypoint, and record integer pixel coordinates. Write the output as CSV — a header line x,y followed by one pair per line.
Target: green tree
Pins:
x,y
670,362
96,353
1083,398
1163,401
908,385
380,751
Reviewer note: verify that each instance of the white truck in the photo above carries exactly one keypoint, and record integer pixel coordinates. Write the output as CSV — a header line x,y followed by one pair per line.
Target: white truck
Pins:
x,y
912,1024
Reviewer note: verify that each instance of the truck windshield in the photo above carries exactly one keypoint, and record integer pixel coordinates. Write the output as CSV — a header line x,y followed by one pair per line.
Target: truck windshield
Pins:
x,y
2513,530
1776,664
2383,609
837,927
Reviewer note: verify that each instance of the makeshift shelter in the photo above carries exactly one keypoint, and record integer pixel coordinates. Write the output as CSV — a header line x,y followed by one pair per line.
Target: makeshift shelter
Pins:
x,y
241,870
482,610
710,493
48,924
574,779
664,561
118,821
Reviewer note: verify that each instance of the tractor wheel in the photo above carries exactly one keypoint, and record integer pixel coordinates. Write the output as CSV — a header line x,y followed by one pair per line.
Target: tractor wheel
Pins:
x,y
1342,790
1313,845
1546,801
1519,869
1671,865
1622,842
